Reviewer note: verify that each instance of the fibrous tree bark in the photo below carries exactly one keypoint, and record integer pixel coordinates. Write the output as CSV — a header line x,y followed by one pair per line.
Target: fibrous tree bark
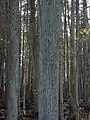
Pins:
x,y
49,59
72,55
35,48
78,57
13,61
85,71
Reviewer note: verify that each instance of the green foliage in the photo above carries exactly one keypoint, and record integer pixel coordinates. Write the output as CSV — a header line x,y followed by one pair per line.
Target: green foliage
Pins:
x,y
85,31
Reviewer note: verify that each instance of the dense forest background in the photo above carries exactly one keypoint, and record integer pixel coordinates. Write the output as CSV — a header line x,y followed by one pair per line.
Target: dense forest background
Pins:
x,y
44,60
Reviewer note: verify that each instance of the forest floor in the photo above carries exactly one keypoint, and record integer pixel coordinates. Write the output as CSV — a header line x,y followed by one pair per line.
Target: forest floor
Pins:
x,y
83,111
32,114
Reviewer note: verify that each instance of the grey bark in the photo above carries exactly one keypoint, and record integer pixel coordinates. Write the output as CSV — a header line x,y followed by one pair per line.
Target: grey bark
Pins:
x,y
61,67
61,81
72,55
49,59
68,50
35,52
85,72
78,57
66,57
13,62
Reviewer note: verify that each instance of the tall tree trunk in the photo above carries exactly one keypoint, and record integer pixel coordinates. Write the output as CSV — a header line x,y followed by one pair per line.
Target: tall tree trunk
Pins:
x,y
85,25
61,79
35,53
78,57
72,56
66,50
13,62
61,68
20,59
23,67
49,59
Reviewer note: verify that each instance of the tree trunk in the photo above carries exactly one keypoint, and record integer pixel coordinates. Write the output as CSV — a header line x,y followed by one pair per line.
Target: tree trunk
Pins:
x,y
49,59
72,56
13,62
78,57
